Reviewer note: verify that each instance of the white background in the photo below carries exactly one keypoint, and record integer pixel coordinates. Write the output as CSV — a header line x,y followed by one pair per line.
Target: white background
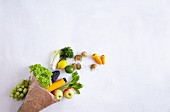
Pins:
x,y
133,34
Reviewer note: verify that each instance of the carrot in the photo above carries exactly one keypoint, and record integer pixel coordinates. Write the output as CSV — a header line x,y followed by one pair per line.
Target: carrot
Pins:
x,y
57,84
103,59
96,59
94,55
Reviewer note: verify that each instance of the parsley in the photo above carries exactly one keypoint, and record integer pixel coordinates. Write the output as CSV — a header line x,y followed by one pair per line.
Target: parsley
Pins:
x,y
66,52
74,83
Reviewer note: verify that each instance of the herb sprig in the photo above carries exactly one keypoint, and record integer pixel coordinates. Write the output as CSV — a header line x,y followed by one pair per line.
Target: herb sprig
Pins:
x,y
66,52
74,83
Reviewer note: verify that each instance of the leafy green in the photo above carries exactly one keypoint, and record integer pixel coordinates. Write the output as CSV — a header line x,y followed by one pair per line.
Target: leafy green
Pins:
x,y
42,74
74,83
77,91
66,52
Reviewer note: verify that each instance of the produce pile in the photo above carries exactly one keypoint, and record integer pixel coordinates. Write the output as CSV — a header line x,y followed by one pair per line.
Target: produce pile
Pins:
x,y
45,83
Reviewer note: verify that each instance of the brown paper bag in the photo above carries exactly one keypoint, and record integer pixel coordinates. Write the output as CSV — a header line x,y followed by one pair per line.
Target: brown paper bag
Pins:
x,y
37,98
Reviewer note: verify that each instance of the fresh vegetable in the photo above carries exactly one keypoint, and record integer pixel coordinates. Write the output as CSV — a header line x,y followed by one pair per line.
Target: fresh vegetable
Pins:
x,y
62,64
78,58
57,84
58,94
68,93
94,55
84,54
93,66
55,75
55,59
96,59
42,74
69,69
74,83
66,52
20,90
103,59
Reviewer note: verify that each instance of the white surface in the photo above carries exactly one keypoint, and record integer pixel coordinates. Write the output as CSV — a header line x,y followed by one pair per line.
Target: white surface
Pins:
x,y
134,35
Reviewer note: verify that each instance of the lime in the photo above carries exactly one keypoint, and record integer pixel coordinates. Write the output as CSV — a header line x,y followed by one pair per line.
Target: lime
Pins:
x,y
69,69
62,64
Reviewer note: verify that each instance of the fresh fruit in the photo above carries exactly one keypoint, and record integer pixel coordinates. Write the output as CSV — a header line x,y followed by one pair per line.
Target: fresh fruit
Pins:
x,y
78,57
78,66
55,75
84,54
68,93
20,90
96,59
103,59
69,69
62,64
58,94
74,65
25,90
93,66
57,84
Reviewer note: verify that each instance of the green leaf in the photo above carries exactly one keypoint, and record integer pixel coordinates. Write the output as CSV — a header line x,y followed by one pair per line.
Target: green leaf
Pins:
x,y
42,74
74,83
77,86
77,91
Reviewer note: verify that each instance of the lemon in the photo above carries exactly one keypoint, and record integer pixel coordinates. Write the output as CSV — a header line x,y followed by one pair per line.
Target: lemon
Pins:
x,y
62,64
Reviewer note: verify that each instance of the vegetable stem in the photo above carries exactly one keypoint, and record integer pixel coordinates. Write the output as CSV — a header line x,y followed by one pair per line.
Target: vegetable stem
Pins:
x,y
74,83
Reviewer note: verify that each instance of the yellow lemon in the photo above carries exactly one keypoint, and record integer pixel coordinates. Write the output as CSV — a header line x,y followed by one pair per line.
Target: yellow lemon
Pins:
x,y
62,64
